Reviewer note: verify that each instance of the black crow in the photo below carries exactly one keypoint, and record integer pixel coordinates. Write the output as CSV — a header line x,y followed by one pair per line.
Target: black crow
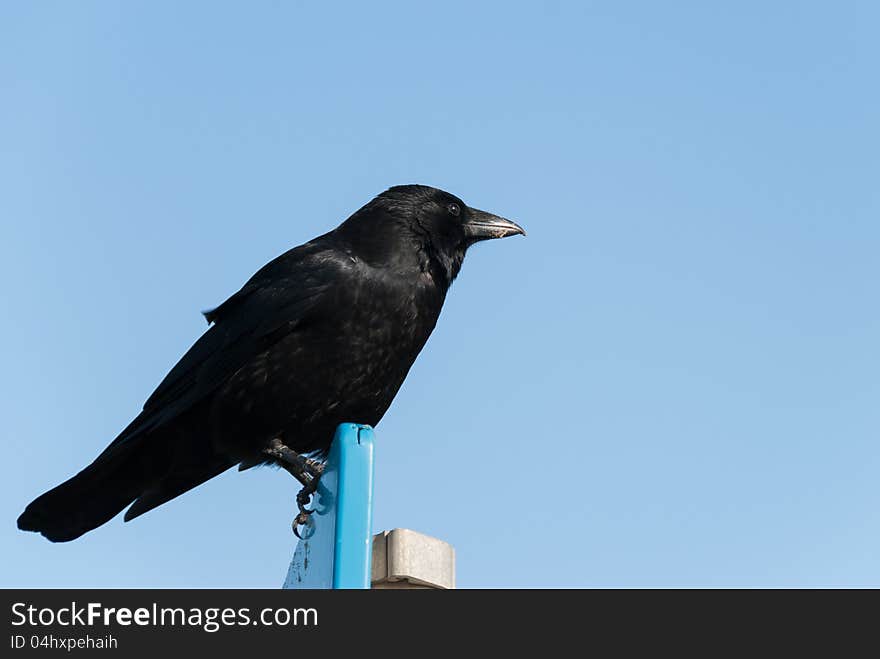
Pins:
x,y
323,334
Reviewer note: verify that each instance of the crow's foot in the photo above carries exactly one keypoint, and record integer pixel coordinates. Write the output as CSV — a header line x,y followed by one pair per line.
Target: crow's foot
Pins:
x,y
306,470
302,498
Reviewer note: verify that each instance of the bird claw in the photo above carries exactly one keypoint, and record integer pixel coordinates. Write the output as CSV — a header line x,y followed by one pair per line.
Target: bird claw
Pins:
x,y
306,470
303,497
300,520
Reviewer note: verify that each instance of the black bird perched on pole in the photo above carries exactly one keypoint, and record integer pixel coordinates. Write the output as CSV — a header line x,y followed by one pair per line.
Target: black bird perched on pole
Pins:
x,y
323,334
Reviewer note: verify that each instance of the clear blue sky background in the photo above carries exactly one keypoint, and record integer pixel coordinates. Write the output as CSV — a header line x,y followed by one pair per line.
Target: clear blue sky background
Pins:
x,y
673,380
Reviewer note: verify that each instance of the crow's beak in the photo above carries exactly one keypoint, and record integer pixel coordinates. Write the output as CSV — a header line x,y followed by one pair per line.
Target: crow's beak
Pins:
x,y
481,225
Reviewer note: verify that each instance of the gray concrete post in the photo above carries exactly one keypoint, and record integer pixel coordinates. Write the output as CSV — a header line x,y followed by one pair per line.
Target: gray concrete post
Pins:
x,y
405,559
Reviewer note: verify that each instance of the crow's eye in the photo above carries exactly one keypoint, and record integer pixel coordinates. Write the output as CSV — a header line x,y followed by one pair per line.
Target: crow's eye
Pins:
x,y
454,210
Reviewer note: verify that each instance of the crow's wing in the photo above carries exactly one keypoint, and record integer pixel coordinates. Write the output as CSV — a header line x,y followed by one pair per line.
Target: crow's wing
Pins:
x,y
285,294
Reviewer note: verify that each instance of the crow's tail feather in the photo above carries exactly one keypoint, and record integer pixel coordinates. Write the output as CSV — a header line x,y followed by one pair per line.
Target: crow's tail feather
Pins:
x,y
80,504
98,492
181,480
147,469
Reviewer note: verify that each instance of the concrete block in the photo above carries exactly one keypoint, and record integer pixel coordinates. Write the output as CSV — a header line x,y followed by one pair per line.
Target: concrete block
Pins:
x,y
406,559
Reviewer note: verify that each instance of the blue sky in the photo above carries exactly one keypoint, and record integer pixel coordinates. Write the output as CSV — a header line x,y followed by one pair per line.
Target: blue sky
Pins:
x,y
672,381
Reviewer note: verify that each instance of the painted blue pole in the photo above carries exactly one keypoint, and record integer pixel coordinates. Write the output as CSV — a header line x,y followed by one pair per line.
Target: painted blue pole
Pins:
x,y
336,548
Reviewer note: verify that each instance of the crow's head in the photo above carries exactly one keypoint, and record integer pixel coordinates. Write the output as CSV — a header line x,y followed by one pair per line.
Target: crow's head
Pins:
x,y
417,223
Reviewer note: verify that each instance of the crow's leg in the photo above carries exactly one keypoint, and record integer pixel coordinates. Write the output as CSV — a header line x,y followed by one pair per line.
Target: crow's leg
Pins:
x,y
305,470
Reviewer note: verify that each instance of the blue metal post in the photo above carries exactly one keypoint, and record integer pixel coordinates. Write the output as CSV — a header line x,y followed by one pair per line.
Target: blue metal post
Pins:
x,y
336,548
